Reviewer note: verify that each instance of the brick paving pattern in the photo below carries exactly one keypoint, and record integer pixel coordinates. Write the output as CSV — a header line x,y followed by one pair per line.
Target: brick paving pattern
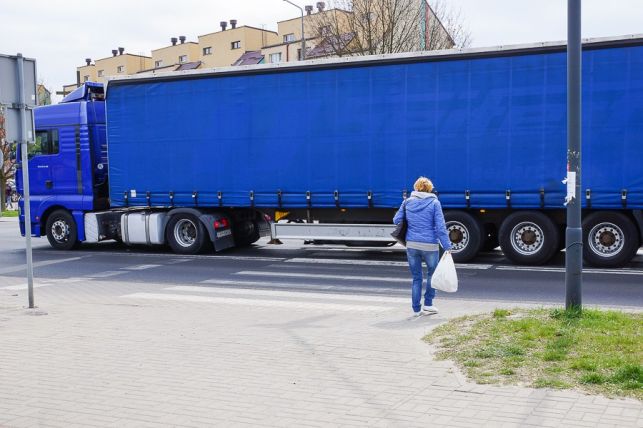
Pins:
x,y
251,359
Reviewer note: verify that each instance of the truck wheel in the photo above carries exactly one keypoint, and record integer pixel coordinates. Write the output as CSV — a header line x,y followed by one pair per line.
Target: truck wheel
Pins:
x,y
465,233
529,238
610,239
246,233
186,234
62,232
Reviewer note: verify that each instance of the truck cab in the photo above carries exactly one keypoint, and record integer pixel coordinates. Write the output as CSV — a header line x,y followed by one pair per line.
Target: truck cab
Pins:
x,y
68,162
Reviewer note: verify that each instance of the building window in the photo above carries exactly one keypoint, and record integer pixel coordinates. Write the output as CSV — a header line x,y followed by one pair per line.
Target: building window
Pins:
x,y
299,54
85,78
235,45
120,69
275,57
289,38
101,73
46,143
158,63
207,51
183,59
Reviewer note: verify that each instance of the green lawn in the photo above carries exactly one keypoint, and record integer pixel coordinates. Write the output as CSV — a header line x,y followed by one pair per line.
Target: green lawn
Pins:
x,y
10,213
596,351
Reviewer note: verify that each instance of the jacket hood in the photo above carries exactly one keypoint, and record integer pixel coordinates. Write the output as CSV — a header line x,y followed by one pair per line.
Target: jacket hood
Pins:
x,y
420,201
422,195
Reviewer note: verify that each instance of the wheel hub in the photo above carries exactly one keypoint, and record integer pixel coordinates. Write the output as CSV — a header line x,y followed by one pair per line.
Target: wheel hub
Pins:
x,y
606,239
527,238
458,235
185,232
60,230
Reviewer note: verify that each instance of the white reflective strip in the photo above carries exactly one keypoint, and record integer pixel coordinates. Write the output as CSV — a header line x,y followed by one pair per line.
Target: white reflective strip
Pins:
x,y
278,293
321,276
257,302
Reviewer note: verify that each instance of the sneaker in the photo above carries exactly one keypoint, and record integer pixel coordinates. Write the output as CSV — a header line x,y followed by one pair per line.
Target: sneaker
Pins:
x,y
429,310
416,314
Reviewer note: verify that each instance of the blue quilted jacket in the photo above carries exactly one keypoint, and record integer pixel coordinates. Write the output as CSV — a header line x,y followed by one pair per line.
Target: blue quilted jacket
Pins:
x,y
425,220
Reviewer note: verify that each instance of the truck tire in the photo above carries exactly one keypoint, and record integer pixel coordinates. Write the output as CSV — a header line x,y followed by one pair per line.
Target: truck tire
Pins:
x,y
186,234
465,233
62,232
529,238
610,239
246,233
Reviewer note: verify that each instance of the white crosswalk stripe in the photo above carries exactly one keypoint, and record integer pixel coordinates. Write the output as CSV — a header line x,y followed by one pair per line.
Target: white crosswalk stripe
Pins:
x,y
258,302
291,294
323,276
330,261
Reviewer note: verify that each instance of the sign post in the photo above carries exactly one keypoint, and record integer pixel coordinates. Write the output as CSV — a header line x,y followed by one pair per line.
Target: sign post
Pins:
x,y
18,94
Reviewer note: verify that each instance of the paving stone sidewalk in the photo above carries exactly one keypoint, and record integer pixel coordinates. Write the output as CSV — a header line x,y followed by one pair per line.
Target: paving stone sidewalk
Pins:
x,y
152,359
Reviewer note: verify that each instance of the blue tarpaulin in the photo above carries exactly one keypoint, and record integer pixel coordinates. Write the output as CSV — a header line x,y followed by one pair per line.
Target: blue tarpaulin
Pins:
x,y
484,125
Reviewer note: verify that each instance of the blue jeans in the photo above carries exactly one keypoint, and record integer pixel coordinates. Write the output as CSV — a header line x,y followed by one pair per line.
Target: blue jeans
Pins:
x,y
415,258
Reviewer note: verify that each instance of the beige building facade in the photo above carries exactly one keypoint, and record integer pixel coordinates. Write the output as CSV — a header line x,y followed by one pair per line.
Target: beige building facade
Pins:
x,y
232,44
176,53
223,48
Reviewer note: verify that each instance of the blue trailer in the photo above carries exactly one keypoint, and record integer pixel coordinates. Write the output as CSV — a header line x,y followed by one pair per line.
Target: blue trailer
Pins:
x,y
208,157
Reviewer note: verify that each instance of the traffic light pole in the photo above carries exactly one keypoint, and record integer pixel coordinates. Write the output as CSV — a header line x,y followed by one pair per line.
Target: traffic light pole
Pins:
x,y
574,233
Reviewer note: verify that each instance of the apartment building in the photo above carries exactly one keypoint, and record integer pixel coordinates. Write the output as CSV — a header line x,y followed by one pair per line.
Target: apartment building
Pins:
x,y
177,53
225,47
120,63
324,30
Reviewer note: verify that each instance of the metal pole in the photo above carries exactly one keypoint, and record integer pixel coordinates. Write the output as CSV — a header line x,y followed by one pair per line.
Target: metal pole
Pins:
x,y
574,234
25,175
303,37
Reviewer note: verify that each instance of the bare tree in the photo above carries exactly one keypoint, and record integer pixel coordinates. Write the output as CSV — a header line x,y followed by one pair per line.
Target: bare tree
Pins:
x,y
7,167
445,19
367,27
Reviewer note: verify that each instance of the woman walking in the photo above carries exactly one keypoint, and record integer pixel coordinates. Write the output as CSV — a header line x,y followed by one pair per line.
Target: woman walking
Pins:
x,y
426,229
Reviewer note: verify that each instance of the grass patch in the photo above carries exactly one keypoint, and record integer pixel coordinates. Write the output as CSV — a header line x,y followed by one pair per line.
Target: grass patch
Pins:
x,y
10,213
596,351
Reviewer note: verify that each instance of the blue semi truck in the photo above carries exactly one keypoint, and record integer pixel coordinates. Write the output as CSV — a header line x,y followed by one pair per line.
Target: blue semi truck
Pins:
x,y
327,150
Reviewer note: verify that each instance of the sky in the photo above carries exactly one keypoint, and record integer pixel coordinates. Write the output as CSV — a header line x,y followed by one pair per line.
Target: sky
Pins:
x,y
60,34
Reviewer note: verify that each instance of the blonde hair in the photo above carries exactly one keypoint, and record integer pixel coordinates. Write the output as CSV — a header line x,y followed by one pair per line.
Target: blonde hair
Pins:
x,y
423,184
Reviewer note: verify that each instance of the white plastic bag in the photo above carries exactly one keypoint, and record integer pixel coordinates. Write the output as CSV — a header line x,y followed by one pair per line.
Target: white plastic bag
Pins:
x,y
445,278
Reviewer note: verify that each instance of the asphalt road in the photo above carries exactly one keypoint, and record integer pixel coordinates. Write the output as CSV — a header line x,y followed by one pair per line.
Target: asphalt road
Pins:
x,y
298,267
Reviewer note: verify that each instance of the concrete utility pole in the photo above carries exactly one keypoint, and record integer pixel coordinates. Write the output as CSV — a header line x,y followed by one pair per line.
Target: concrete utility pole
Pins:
x,y
303,37
574,233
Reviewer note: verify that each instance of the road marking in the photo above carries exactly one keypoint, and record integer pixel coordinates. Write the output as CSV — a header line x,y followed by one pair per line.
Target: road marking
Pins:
x,y
38,264
308,286
347,262
105,274
141,267
176,261
187,257
376,263
257,302
561,270
323,276
279,293
45,283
